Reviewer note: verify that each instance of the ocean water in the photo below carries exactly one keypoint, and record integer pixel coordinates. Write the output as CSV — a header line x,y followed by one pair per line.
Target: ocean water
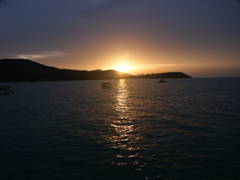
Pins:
x,y
138,129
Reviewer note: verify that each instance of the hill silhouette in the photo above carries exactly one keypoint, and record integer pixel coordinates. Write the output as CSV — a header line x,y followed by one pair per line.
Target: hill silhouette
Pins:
x,y
27,70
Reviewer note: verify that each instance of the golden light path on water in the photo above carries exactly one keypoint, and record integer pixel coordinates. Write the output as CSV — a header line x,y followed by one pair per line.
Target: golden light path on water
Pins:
x,y
125,136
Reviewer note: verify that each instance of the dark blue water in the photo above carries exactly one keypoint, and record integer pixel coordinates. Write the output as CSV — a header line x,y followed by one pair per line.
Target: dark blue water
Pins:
x,y
138,129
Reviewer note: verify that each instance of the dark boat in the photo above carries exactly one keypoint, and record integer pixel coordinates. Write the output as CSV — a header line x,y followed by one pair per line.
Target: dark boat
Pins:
x,y
106,84
6,89
162,81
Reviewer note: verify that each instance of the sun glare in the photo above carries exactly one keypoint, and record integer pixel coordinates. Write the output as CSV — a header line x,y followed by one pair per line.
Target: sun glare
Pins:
x,y
122,68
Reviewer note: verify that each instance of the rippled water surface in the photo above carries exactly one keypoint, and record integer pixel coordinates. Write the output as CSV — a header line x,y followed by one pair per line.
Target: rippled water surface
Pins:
x,y
138,129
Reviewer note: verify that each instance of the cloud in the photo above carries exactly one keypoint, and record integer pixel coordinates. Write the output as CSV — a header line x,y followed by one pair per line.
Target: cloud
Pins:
x,y
152,66
39,56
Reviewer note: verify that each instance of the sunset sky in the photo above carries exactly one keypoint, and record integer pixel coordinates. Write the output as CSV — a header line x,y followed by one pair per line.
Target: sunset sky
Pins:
x,y
198,37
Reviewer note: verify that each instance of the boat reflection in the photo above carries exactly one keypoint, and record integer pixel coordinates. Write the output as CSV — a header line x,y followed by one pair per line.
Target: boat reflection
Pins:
x,y
125,137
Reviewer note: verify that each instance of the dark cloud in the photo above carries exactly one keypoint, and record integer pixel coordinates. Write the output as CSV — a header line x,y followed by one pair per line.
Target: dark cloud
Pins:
x,y
39,20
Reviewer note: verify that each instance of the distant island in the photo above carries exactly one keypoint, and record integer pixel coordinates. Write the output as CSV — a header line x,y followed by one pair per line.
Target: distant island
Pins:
x,y
13,70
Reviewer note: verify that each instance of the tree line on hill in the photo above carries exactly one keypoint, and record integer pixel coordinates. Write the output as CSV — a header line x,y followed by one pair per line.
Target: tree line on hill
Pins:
x,y
27,70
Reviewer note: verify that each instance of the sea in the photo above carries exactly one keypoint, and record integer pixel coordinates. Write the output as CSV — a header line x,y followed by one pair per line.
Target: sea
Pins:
x,y
137,129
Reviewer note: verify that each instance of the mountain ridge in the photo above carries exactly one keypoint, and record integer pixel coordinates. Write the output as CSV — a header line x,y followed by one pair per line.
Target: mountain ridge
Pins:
x,y
28,70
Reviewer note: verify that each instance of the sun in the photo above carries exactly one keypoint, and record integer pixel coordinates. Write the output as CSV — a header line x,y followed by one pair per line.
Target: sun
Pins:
x,y
122,68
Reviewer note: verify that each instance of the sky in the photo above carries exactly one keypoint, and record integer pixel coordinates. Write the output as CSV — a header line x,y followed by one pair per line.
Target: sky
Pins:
x,y
198,37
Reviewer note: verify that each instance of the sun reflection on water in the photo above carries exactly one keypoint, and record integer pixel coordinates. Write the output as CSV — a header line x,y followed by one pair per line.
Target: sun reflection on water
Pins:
x,y
125,137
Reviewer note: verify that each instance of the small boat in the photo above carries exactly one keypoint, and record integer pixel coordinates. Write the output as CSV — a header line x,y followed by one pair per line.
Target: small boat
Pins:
x,y
162,81
6,89
106,84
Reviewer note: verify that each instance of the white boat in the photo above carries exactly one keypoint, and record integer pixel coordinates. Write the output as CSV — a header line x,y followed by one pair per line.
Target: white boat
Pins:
x,y
106,84
162,81
6,89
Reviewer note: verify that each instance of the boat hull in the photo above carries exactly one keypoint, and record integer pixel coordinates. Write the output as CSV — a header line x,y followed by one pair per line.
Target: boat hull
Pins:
x,y
106,85
6,90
